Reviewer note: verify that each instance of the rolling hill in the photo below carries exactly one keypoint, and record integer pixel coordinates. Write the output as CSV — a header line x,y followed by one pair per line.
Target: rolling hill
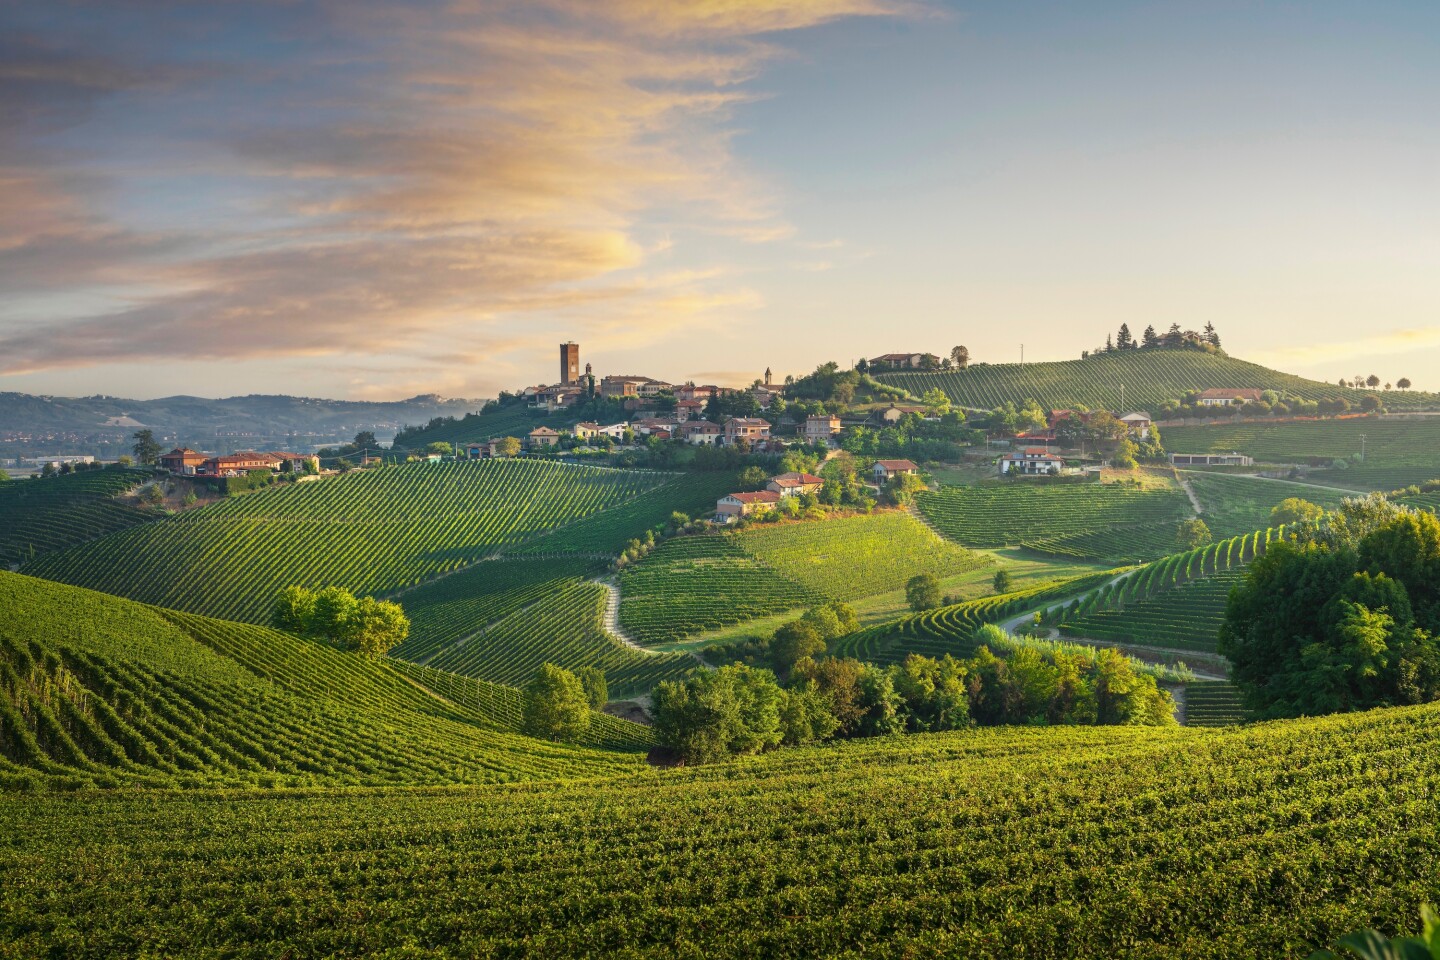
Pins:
x,y
96,691
372,532
49,513
1262,841
1150,378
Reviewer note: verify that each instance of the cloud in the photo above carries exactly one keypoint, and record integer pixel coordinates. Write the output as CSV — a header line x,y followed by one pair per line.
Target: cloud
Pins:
x,y
388,179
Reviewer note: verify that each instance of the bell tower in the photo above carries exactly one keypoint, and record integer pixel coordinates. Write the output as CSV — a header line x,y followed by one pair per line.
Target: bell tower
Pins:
x,y
569,362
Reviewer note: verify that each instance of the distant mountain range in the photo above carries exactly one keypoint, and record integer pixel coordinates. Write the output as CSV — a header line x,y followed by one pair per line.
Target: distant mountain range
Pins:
x,y
102,425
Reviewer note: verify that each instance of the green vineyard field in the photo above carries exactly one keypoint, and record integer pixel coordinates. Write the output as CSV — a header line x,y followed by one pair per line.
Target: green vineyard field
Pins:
x,y
1186,617
1074,843
38,516
1116,523
1213,703
1151,377
1239,504
1410,443
370,532
99,691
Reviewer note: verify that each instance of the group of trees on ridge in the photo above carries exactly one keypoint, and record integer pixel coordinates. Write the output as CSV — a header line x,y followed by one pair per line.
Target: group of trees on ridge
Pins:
x,y
362,624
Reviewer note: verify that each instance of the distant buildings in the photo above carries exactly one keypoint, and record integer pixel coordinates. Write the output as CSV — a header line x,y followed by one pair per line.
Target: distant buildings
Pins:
x,y
1227,396
902,361
1211,460
885,469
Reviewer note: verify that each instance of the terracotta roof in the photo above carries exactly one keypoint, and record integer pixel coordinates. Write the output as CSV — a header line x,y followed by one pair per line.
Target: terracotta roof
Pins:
x,y
543,432
1231,393
897,356
748,422
896,464
1136,416
760,496
796,479
1037,455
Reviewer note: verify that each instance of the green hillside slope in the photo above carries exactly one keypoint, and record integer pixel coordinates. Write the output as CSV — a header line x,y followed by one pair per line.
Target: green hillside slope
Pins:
x,y
1186,617
1150,377
1239,504
37,516
370,532
1260,841
98,691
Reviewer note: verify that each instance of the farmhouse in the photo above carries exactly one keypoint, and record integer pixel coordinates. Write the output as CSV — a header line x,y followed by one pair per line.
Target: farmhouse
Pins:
x,y
1137,423
542,437
586,429
295,462
483,450
686,409
893,413
700,432
616,431
237,464
704,394
794,484
1032,462
1211,460
885,469
749,429
821,427
734,505
182,460
900,361
1227,396
654,425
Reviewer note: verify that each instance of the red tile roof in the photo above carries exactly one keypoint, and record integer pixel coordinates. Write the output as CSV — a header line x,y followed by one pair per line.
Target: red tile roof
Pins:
x,y
796,479
760,496
896,464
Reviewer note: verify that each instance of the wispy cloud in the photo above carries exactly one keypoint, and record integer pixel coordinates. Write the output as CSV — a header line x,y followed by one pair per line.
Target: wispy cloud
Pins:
x,y
390,177
1372,345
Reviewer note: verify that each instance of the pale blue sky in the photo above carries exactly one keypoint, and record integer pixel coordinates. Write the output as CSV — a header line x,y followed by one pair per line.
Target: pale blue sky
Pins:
x,y
372,200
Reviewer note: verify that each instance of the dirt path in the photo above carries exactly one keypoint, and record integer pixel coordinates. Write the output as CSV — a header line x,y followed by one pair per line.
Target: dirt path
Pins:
x,y
612,622
1194,500
1301,484
1009,626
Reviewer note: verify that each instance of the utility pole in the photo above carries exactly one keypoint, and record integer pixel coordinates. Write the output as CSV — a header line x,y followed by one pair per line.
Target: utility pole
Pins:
x,y
1122,399
1022,354
1362,448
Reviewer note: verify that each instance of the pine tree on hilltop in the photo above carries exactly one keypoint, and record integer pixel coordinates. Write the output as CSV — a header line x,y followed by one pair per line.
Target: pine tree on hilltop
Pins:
x,y
1109,344
1211,337
1150,338
1174,337
1124,340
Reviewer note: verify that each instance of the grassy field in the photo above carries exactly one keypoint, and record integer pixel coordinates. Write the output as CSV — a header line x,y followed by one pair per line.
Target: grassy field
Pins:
x,y
1262,841
700,586
1150,378
371,532
1390,443
38,516
99,691
1111,522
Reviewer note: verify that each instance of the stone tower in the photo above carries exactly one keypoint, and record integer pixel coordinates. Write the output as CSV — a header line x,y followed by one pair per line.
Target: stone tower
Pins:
x,y
569,362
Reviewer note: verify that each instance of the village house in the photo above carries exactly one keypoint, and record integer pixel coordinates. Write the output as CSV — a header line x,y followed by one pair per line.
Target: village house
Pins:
x,y
885,469
1032,462
1227,396
182,461
893,413
704,393
749,429
616,431
585,429
1138,424
900,361
484,450
296,462
794,484
689,409
652,425
700,432
734,505
1211,460
237,464
542,437
820,428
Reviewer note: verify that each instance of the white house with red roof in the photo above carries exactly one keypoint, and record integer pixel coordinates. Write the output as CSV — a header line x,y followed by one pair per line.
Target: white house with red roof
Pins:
x,y
794,484
1032,462
735,505
885,469
1227,396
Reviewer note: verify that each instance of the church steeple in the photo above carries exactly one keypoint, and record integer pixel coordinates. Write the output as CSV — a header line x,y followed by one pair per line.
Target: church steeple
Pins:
x,y
767,376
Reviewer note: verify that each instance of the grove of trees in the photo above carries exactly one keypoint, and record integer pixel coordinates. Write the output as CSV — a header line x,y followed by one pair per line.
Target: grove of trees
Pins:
x,y
364,624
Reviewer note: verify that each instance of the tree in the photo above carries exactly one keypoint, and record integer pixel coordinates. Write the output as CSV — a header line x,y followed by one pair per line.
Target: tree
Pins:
x,y
1294,510
1372,381
154,494
1124,340
331,614
1193,533
1001,582
508,447
1150,338
440,447
922,592
556,706
960,356
716,714
374,627
752,478
795,641
1403,383
1125,455
1211,337
597,691
147,451
1174,337
1370,403
902,487
293,609
365,442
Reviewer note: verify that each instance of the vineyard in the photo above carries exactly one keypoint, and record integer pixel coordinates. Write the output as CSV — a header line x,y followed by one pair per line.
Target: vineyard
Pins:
x,y
1185,618
1213,703
1238,504
690,585
1151,377
516,420
564,626
38,516
1116,523
852,557
1389,444
1079,842
371,532
99,691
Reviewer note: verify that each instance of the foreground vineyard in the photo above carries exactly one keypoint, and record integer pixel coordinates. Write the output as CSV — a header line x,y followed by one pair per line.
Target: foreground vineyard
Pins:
x,y
98,691
37,516
1150,377
1262,841
373,531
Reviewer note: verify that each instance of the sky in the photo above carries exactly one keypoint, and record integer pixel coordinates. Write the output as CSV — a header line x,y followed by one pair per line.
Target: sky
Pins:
x,y
372,200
